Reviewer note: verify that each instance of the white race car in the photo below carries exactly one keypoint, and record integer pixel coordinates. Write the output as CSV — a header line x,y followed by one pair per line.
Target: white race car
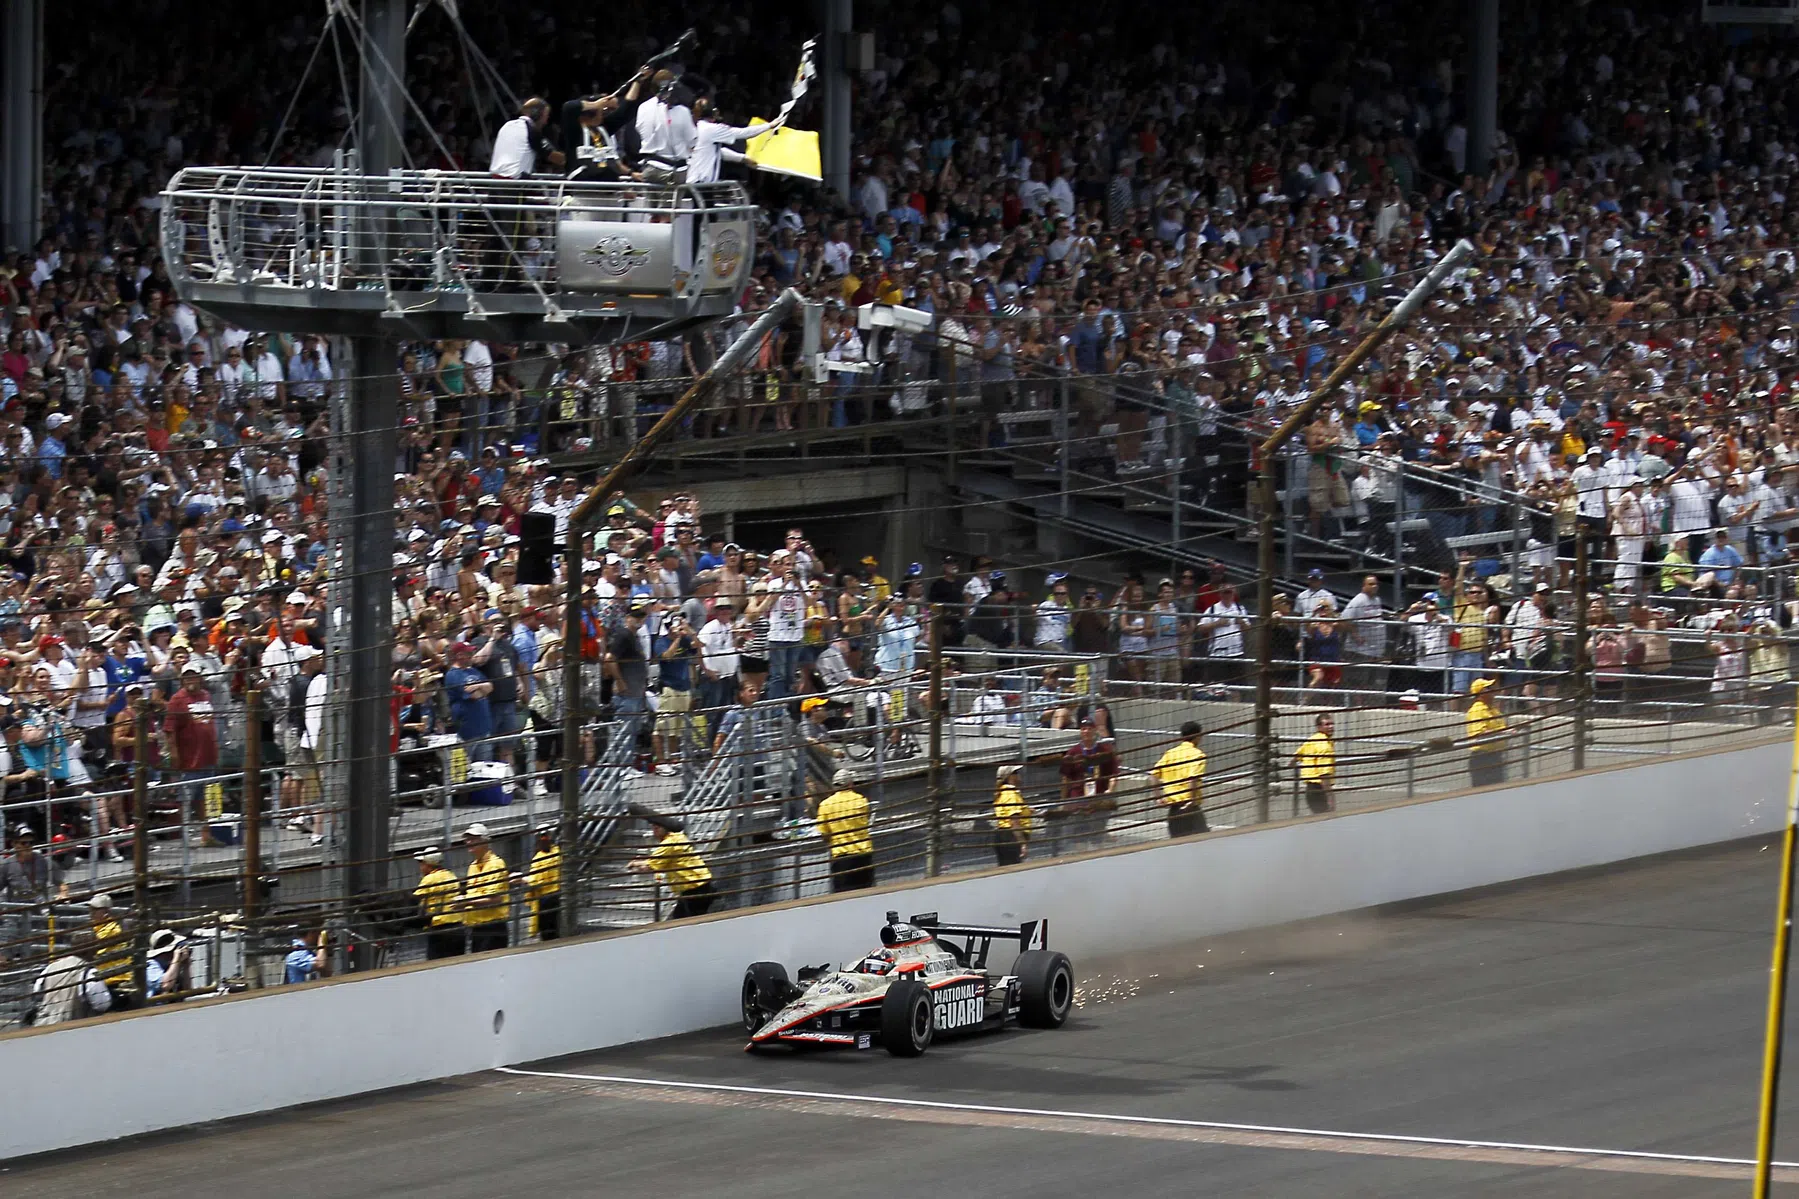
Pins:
x,y
928,979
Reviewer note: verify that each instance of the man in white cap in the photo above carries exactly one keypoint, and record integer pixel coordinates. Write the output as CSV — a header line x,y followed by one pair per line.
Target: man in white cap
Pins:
x,y
439,895
842,821
486,893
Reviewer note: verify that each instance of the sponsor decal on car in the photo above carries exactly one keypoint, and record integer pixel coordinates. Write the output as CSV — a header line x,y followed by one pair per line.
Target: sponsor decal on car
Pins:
x,y
960,1006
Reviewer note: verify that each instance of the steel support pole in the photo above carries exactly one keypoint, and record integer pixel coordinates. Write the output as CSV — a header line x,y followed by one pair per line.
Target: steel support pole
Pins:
x,y
1483,83
1583,664
371,420
835,135
1265,768
21,122
252,809
934,765
140,844
568,833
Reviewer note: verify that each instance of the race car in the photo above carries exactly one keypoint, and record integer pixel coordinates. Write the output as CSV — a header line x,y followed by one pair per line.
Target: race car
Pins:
x,y
927,980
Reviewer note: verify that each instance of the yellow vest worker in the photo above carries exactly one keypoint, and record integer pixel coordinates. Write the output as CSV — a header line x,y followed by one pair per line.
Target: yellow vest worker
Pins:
x,y
484,891
843,822
1011,818
1179,770
679,863
486,894
437,894
112,953
1317,760
1011,812
1485,730
543,887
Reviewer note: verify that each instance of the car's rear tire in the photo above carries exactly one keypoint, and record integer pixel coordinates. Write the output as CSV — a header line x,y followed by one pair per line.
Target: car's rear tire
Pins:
x,y
908,1019
1045,988
766,990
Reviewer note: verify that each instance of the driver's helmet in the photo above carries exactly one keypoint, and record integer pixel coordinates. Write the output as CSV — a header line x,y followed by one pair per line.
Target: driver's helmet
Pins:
x,y
881,961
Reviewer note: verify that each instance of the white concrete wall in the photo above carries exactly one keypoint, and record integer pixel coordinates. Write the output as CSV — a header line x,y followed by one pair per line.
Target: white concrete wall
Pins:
x,y
249,1054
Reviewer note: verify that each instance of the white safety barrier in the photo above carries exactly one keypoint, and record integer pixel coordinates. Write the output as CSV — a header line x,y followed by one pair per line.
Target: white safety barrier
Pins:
x,y
258,1053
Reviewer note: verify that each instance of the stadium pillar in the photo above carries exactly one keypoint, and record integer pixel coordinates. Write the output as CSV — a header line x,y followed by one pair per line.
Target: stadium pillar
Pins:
x,y
835,150
372,419
22,122
1483,83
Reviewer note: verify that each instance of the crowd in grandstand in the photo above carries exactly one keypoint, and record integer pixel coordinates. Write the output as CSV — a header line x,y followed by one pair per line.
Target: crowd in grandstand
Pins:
x,y
1192,233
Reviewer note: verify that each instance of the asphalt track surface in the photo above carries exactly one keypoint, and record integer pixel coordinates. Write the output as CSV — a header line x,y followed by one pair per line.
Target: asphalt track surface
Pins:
x,y
1616,1011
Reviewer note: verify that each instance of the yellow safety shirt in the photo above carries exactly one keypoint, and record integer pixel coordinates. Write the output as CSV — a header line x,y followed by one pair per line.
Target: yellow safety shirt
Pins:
x,y
1317,759
1483,724
485,890
1010,811
843,823
1179,771
437,894
679,864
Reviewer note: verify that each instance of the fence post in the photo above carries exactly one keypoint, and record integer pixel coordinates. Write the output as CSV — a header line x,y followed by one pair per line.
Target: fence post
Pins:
x,y
1067,446
252,809
1265,769
934,768
1399,603
1583,666
140,846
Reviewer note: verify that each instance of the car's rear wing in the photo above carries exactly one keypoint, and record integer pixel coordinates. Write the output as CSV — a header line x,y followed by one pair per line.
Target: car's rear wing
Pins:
x,y
1032,934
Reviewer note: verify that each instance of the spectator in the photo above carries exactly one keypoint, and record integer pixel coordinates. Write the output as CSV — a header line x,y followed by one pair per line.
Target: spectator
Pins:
x,y
68,988
29,880
468,690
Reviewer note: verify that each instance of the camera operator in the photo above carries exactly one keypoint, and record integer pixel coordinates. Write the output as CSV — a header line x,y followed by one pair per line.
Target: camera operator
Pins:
x,y
596,132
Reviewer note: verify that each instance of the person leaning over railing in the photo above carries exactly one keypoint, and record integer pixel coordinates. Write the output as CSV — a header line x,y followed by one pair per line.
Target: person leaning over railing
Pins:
x,y
678,864
1484,727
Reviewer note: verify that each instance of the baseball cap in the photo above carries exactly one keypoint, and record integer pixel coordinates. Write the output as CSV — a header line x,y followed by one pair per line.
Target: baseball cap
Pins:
x,y
813,703
477,831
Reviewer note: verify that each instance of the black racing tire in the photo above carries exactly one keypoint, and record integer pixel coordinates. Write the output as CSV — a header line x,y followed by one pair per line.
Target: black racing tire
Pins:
x,y
765,991
1045,988
908,1018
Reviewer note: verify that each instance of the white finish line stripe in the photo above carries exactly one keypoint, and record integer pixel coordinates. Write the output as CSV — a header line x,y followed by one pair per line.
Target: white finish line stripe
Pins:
x,y
1347,1138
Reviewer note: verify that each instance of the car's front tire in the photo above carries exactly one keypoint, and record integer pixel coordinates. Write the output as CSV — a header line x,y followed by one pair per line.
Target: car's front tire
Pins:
x,y
908,1019
766,989
1045,988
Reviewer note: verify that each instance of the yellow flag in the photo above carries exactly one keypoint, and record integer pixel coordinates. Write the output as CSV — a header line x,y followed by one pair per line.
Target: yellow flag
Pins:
x,y
787,151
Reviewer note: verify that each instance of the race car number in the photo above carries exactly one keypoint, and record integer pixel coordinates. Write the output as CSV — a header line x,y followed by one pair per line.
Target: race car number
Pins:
x,y
960,1006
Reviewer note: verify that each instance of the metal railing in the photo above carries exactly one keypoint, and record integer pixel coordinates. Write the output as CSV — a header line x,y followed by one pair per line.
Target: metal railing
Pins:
x,y
417,232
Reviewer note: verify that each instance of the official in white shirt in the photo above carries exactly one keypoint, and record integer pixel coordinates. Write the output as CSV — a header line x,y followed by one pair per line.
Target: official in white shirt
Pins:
x,y
665,127
519,143
712,141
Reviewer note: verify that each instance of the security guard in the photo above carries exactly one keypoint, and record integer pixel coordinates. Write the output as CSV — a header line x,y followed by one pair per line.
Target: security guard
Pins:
x,y
112,952
1180,770
678,864
843,822
1011,817
1485,730
1317,761
439,895
543,886
486,894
